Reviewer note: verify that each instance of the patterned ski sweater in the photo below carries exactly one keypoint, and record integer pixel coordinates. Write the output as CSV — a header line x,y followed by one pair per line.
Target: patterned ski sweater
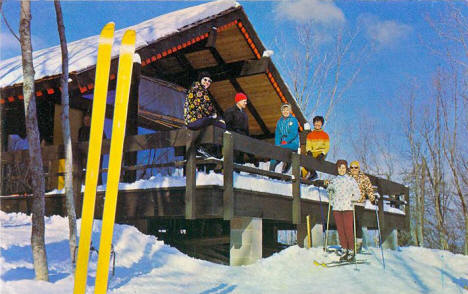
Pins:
x,y
318,142
365,186
198,104
341,191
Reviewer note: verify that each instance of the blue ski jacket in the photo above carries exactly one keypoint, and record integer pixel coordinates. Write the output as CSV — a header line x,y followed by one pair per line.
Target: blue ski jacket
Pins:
x,y
287,129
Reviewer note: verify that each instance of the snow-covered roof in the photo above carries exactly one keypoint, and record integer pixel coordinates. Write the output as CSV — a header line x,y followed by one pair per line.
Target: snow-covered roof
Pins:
x,y
83,53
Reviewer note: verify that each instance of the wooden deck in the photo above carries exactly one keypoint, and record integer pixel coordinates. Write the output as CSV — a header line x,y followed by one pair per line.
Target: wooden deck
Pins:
x,y
170,203
191,209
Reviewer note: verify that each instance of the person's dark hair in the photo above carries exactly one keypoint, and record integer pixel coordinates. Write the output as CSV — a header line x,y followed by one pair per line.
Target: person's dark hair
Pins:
x,y
318,118
203,74
340,162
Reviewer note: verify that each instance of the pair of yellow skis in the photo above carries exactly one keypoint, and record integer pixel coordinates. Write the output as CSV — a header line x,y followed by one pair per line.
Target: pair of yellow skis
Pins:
x,y
127,50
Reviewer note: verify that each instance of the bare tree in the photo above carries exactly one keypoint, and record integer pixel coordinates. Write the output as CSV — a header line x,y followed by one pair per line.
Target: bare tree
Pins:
x,y
1,132
454,155
452,29
417,174
70,204
35,157
322,70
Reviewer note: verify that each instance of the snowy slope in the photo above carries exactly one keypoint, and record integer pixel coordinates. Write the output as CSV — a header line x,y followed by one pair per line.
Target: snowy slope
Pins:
x,y
83,53
146,265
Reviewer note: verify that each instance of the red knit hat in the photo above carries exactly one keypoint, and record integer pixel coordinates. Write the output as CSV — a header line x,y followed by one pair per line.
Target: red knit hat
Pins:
x,y
240,97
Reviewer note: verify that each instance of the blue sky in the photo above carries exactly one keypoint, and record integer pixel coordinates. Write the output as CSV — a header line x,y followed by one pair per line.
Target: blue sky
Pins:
x,y
398,29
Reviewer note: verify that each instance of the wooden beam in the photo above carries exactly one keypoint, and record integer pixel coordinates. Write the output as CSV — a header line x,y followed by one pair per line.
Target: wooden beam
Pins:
x,y
251,108
130,158
191,184
211,41
249,67
260,149
296,189
228,191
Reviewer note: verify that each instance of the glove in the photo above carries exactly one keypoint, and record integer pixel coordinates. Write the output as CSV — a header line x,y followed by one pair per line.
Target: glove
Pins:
x,y
214,115
319,183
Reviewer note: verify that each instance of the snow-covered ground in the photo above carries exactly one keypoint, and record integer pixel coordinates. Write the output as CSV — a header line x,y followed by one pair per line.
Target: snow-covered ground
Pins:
x,y
146,265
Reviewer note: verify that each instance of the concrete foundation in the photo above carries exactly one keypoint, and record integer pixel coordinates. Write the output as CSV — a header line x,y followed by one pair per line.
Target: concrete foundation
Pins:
x,y
245,240
390,240
317,235
302,235
365,238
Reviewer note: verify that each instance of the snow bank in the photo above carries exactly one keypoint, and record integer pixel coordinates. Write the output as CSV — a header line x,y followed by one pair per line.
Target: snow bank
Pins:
x,y
146,265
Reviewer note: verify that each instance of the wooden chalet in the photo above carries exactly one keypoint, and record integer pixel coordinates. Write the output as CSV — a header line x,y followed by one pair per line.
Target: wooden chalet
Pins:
x,y
206,221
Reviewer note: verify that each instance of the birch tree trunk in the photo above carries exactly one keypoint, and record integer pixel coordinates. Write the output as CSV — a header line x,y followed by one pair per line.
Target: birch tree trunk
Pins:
x,y
70,203
1,133
35,157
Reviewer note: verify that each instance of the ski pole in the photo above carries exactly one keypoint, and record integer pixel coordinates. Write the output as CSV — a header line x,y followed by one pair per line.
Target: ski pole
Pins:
x,y
321,216
328,223
354,231
380,236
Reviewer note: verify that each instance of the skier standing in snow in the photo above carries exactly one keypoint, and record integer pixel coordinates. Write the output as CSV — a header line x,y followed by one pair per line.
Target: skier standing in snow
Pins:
x,y
367,192
237,121
342,191
364,183
317,145
199,110
286,134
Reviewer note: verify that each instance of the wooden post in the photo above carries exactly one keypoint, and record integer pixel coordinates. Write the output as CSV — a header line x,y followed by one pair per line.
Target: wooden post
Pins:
x,y
77,171
228,163
296,188
381,212
407,210
130,158
190,182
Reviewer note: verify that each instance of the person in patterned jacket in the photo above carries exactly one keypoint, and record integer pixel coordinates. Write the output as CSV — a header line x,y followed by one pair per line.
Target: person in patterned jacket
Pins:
x,y
199,110
364,183
367,191
342,191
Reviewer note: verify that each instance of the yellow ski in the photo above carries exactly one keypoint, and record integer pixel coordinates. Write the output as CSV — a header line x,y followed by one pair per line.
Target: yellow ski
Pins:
x,y
127,50
106,40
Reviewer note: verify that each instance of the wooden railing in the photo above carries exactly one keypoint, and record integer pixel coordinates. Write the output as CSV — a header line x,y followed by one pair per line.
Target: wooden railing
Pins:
x,y
231,142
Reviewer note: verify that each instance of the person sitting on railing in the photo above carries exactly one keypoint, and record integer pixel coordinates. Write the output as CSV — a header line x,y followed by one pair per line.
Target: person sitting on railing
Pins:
x,y
342,191
286,135
237,121
364,183
317,145
236,118
199,110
